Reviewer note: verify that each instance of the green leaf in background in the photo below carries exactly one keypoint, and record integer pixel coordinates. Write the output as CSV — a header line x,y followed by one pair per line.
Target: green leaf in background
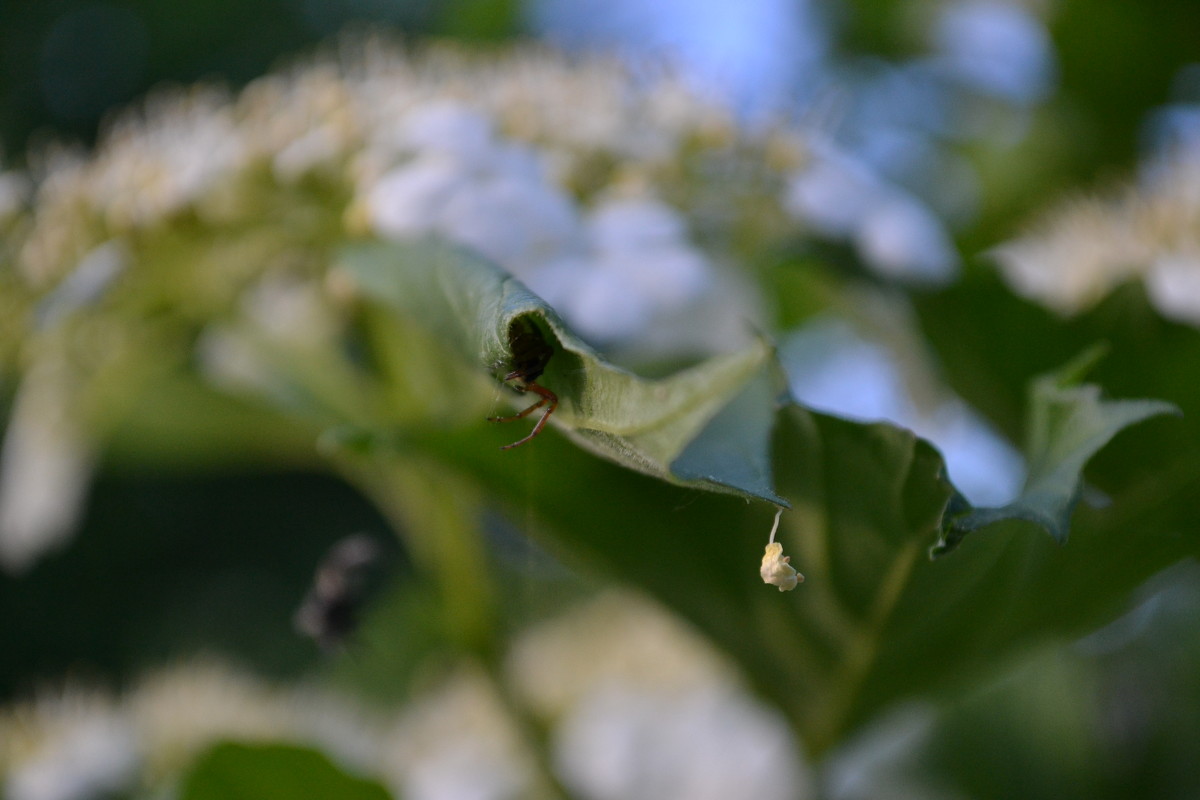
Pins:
x,y
1067,424
671,428
235,771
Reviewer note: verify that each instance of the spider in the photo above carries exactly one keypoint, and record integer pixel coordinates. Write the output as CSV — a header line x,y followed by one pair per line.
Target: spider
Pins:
x,y
530,354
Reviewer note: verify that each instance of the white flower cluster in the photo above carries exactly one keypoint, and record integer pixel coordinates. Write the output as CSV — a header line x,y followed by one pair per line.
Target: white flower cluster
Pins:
x,y
1149,232
647,710
611,270
85,743
640,707
155,163
503,170
552,169
593,185
67,747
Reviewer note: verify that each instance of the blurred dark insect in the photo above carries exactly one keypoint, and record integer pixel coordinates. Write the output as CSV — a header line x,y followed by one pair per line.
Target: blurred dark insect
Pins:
x,y
341,586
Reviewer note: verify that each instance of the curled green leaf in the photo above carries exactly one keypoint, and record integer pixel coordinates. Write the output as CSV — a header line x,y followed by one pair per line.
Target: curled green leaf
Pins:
x,y
706,426
1068,423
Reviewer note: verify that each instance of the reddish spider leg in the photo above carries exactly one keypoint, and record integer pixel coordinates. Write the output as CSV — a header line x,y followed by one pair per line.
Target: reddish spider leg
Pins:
x,y
547,397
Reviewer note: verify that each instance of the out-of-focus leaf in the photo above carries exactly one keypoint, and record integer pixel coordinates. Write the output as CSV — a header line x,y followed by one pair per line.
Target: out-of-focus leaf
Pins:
x,y
1068,424
235,771
667,427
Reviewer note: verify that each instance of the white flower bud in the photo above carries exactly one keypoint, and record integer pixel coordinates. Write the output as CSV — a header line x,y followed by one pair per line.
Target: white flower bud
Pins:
x,y
775,568
777,571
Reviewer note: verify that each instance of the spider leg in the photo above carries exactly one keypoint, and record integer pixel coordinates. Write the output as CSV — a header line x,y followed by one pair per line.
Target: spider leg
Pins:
x,y
526,412
548,397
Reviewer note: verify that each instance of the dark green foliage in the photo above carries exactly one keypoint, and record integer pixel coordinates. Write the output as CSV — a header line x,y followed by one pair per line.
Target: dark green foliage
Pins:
x,y
234,771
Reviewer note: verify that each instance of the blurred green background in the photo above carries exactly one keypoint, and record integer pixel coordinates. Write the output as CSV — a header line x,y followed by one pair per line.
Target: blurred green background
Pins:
x,y
179,562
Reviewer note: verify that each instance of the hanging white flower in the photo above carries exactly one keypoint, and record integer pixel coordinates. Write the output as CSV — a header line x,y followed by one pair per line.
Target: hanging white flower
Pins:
x,y
776,569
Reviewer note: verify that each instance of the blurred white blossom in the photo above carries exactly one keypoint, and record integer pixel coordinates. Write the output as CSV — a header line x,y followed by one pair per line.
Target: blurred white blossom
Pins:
x,y
636,266
463,184
998,47
71,746
1174,286
833,192
456,743
901,238
78,743
486,158
1080,252
288,308
894,233
615,638
279,313
614,271
14,193
1172,131
177,712
45,465
648,710
626,743
163,160
637,705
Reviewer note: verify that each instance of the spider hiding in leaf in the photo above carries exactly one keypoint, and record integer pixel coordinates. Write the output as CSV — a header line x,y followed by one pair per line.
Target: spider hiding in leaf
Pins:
x,y
530,354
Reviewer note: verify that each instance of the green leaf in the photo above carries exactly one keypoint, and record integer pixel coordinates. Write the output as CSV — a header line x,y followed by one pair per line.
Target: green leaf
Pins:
x,y
235,771
734,448
682,428
991,345
1068,424
877,621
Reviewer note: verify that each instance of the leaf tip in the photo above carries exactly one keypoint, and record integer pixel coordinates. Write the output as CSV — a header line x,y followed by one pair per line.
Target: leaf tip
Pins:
x,y
1074,371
